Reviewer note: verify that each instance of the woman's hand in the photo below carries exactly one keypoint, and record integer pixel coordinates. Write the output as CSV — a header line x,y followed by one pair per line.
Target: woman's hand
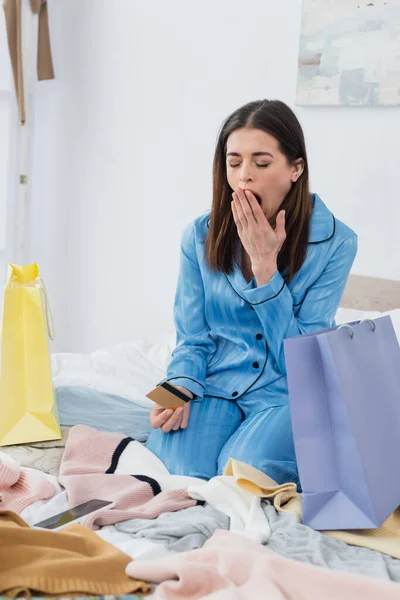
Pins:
x,y
168,419
261,242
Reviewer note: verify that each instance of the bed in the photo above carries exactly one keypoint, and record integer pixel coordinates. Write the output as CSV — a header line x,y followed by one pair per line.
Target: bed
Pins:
x,y
87,385
128,371
371,294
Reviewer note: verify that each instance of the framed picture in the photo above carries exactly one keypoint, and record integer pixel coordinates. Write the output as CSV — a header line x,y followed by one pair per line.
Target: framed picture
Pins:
x,y
349,53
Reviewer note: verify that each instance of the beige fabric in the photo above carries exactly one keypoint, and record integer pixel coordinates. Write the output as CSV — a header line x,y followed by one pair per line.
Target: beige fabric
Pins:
x,y
12,11
285,498
258,483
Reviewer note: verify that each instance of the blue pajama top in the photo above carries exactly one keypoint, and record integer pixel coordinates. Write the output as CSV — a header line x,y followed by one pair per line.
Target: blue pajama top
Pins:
x,y
229,332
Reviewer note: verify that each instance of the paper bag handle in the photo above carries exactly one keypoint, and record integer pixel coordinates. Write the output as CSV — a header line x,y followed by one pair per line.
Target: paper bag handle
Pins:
x,y
38,282
47,311
347,326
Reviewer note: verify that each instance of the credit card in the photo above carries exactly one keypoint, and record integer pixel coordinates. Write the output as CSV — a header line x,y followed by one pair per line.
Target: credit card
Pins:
x,y
168,396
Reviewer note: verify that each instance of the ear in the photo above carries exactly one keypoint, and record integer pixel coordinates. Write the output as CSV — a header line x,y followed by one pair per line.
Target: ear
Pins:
x,y
297,169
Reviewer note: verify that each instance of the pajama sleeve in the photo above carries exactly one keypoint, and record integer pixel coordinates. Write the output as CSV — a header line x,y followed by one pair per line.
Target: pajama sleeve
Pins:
x,y
273,302
194,344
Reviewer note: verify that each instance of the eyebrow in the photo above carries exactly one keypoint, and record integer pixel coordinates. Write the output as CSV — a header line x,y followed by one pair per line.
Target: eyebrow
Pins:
x,y
253,154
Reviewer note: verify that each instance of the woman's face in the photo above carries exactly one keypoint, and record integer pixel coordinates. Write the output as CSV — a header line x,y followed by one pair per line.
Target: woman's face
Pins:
x,y
255,162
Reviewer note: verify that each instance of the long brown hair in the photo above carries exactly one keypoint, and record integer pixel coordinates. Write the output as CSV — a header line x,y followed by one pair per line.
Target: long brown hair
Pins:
x,y
277,119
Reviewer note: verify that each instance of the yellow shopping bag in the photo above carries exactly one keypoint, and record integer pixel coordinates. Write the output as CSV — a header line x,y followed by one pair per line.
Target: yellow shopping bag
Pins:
x,y
28,410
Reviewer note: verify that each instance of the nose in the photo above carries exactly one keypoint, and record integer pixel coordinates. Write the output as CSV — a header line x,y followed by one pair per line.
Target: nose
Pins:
x,y
245,174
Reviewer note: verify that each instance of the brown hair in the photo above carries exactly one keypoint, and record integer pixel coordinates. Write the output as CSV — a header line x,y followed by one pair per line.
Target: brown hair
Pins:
x,y
277,119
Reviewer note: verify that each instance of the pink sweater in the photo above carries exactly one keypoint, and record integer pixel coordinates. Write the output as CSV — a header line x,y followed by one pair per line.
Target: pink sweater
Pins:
x,y
20,486
231,567
87,471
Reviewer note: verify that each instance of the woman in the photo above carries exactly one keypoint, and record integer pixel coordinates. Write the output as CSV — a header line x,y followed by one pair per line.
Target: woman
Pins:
x,y
268,262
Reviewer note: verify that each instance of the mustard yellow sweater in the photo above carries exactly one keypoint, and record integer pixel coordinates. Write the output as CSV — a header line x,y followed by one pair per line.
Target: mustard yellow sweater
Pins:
x,y
71,562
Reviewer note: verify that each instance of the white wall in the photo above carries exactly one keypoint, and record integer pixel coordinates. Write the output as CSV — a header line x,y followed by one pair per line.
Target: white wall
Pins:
x,y
6,146
124,141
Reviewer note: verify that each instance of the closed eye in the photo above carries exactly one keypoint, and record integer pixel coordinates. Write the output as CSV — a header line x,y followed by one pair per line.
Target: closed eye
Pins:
x,y
261,166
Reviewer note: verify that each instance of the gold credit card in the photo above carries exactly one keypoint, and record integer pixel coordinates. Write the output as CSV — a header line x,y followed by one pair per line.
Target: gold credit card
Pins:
x,y
168,396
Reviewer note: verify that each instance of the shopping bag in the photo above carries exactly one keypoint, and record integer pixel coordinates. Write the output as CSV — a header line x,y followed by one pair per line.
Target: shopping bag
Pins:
x,y
344,393
28,410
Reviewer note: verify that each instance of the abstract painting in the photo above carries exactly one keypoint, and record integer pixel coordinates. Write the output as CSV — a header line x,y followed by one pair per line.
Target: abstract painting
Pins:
x,y
349,53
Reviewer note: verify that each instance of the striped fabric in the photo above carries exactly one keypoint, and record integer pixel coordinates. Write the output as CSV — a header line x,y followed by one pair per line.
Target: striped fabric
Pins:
x,y
88,470
229,345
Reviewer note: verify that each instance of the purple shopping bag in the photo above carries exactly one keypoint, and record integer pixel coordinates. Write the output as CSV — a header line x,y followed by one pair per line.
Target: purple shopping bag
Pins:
x,y
344,391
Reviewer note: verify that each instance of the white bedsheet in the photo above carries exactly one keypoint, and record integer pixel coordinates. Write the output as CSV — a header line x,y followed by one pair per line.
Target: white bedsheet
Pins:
x,y
128,370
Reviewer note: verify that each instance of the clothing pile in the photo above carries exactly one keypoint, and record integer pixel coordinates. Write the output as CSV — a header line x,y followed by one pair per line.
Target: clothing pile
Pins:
x,y
237,535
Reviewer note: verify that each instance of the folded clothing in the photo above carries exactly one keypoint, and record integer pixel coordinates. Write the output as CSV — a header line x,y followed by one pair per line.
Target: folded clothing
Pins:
x,y
105,412
20,486
73,561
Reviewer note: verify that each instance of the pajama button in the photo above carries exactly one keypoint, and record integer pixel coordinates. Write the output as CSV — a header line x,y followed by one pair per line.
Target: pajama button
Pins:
x,y
255,365
259,336
235,393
